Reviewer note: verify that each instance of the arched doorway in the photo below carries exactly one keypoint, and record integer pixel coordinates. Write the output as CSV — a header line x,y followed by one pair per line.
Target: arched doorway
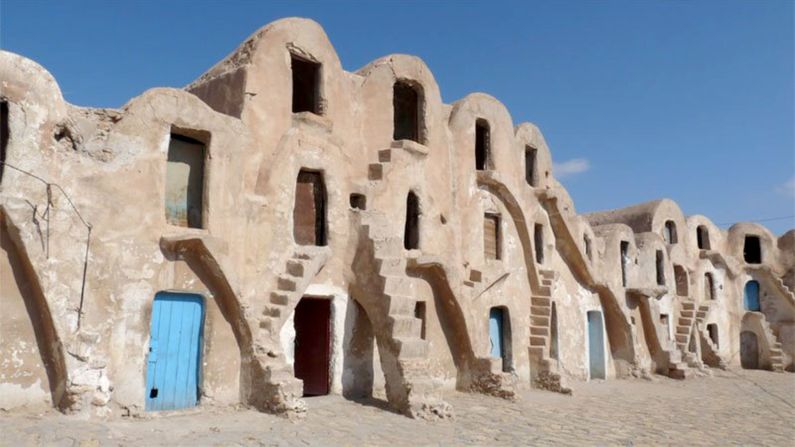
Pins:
x,y
749,350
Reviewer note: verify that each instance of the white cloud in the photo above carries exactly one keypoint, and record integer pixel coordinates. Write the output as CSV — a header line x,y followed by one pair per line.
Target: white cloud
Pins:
x,y
571,167
788,187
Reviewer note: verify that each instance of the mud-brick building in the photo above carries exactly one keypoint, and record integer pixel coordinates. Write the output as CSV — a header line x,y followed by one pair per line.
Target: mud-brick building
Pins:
x,y
282,228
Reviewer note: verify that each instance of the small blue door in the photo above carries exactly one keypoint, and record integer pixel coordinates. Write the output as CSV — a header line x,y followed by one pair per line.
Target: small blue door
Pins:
x,y
495,332
596,345
172,372
752,296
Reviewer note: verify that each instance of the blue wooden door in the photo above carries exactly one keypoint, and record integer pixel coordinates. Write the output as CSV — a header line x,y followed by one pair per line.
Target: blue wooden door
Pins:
x,y
596,345
172,372
495,332
752,296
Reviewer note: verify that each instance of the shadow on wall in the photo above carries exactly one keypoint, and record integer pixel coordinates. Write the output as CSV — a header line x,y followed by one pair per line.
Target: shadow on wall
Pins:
x,y
38,313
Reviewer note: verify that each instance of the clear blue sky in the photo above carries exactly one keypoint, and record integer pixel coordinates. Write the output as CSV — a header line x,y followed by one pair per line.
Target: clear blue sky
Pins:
x,y
691,100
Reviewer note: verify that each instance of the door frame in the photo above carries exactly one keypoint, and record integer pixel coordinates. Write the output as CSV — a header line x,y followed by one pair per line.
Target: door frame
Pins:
x,y
200,358
330,370
588,344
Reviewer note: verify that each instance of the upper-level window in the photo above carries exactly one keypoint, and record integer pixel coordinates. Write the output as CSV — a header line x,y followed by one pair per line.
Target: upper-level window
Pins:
x,y
306,85
309,213
709,286
530,159
491,236
669,232
482,145
624,262
752,250
185,182
407,102
4,132
538,239
411,236
702,237
587,242
680,275
660,268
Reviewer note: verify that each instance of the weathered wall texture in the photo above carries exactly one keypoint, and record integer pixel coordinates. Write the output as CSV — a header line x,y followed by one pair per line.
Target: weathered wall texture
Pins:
x,y
86,246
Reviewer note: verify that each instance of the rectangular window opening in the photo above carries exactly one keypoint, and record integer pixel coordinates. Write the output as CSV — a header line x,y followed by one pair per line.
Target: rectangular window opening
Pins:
x,y
538,239
358,201
482,145
752,250
407,111
185,182
491,236
309,213
4,134
530,155
702,238
306,85
624,262
587,242
420,313
660,268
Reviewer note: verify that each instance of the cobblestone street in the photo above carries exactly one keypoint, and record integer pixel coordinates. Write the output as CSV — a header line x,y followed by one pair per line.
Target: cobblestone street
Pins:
x,y
733,407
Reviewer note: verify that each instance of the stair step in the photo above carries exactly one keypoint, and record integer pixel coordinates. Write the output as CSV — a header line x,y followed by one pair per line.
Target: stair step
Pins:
x,y
681,338
280,298
683,330
401,304
538,352
538,330
540,301
266,323
687,314
537,340
543,311
397,285
385,155
375,171
544,291
405,326
412,348
387,247
286,284
546,283
539,320
685,322
547,274
392,266
688,305
295,268
700,315
272,311
475,275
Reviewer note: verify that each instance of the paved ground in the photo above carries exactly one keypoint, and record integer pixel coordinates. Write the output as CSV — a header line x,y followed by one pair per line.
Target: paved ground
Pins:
x,y
738,407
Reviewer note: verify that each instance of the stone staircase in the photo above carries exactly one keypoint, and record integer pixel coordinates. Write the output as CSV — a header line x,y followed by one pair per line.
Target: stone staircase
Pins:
x,y
390,305
774,346
296,275
279,390
546,375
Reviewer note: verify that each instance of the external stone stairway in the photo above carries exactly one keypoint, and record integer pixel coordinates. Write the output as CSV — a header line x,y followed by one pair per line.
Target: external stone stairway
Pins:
x,y
774,346
390,305
546,375
281,390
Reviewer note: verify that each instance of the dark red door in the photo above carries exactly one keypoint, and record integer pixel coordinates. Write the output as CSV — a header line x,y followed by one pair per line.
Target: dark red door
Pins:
x,y
313,344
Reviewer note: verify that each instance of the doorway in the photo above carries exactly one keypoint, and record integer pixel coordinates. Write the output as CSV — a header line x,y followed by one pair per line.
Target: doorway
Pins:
x,y
309,213
751,296
175,346
596,345
749,350
313,344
